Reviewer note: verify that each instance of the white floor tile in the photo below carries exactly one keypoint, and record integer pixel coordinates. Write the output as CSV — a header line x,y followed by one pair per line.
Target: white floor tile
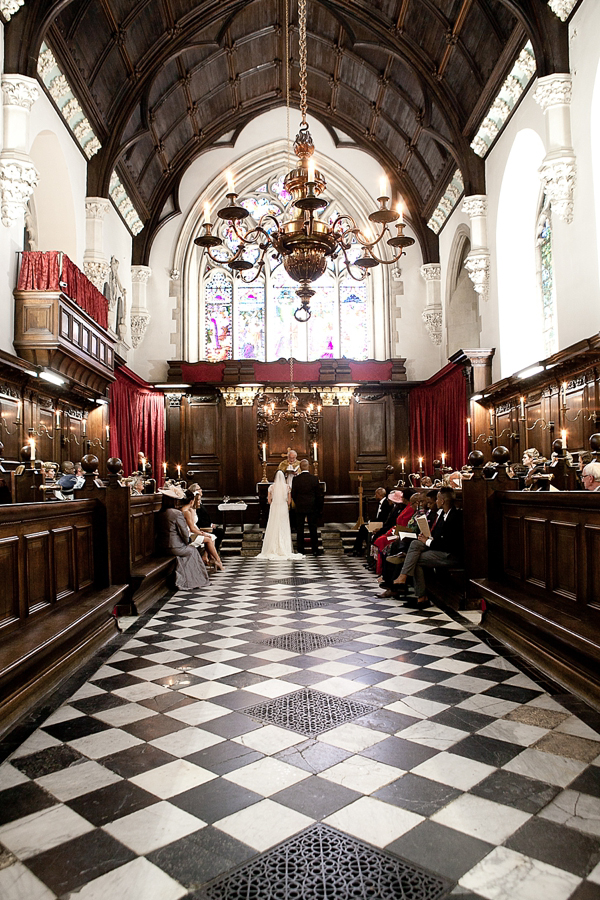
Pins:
x,y
207,690
338,687
432,734
513,732
197,713
267,776
270,739
187,741
124,715
18,883
153,827
352,737
507,875
42,831
481,818
545,767
264,824
78,779
457,771
173,778
361,774
137,880
373,821
104,743
576,810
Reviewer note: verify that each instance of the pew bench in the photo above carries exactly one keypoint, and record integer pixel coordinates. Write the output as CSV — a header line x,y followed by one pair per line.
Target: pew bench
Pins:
x,y
41,652
148,583
450,585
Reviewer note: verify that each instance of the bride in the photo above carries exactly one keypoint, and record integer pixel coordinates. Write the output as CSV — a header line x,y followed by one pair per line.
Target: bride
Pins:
x,y
277,543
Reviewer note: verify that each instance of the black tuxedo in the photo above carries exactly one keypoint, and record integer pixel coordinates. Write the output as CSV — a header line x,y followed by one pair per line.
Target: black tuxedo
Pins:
x,y
383,511
447,534
307,497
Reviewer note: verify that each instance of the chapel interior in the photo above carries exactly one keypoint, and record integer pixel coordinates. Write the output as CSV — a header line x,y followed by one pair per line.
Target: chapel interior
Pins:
x,y
368,232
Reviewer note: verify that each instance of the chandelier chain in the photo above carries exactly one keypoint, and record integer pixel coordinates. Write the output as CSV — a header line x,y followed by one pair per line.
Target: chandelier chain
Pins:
x,y
302,43
287,78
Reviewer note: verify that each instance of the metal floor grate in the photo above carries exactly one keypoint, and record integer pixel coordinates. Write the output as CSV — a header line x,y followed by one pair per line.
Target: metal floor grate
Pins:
x,y
304,641
298,603
308,711
292,580
323,864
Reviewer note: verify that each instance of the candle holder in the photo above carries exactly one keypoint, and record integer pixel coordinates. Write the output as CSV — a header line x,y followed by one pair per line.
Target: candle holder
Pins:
x,y
264,479
316,468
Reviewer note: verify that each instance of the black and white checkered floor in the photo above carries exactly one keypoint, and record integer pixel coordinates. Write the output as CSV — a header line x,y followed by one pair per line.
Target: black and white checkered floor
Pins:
x,y
212,732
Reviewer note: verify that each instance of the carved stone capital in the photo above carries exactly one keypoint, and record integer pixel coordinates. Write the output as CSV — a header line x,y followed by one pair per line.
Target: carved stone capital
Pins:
x,y
432,316
173,400
9,7
558,177
475,205
96,207
554,90
396,274
140,274
431,272
139,323
97,272
17,90
18,177
175,274
230,395
477,265
562,8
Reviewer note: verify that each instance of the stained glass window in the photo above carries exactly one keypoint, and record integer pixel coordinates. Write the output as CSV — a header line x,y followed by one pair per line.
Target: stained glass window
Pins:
x,y
547,281
218,308
255,320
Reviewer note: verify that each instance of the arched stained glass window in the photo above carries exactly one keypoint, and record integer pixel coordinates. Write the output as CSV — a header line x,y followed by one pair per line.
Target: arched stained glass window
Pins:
x,y
256,320
546,279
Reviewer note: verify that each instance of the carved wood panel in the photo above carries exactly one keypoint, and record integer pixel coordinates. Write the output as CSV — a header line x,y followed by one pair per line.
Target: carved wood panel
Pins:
x,y
9,566
513,546
564,558
64,561
84,555
203,430
534,532
592,564
371,421
38,581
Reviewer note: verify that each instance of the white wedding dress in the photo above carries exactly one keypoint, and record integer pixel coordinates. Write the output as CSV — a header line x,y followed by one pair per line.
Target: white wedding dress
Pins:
x,y
277,543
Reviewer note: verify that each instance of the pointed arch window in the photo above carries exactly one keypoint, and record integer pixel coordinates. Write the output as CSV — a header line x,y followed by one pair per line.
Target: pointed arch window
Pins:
x,y
256,321
546,278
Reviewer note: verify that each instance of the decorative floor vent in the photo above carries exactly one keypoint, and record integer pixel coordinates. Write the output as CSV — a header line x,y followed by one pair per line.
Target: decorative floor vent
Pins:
x,y
308,711
323,864
292,580
298,603
304,641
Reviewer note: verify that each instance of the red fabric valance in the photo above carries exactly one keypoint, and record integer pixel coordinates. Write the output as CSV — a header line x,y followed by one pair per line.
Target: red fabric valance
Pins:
x,y
137,422
438,419
202,372
280,371
370,370
40,271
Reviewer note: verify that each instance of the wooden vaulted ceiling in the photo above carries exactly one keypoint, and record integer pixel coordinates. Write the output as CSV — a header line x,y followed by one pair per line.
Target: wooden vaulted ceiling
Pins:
x,y
407,80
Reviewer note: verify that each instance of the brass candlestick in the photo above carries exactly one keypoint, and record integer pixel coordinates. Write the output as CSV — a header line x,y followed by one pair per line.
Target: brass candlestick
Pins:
x,y
315,468
264,479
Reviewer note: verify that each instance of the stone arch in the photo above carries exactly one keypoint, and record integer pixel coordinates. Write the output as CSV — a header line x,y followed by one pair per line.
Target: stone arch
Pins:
x,y
463,323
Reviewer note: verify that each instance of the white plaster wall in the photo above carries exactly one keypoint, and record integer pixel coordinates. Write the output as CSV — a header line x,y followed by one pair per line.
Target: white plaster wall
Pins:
x,y
158,347
117,241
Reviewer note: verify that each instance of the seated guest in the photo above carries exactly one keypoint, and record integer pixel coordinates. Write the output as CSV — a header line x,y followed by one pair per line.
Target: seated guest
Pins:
x,y
80,475
591,476
188,508
383,542
203,517
443,548
68,480
584,458
174,538
383,509
394,555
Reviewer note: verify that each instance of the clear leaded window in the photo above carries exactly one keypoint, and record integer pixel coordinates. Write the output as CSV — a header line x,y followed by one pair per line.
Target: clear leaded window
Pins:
x,y
546,275
256,320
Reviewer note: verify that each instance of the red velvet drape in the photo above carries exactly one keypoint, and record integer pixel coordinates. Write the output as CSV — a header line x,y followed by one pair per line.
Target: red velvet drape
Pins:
x,y
137,422
40,272
438,419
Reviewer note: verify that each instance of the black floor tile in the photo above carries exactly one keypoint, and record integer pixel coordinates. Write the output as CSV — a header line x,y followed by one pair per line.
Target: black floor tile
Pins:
x,y
215,800
316,797
486,750
114,682
225,757
464,719
164,702
400,753
516,791
384,720
178,680
44,762
111,802
74,863
440,694
378,697
556,845
241,679
97,703
441,850
154,727
231,725
22,800
588,782
511,692
491,673
586,891
130,665
136,760
419,795
76,728
238,699
305,677
201,856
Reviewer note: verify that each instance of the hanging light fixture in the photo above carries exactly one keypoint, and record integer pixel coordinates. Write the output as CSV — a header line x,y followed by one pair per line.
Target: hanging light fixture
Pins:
x,y
303,242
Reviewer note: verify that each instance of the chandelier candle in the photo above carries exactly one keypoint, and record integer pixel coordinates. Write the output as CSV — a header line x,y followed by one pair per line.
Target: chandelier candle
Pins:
x,y
315,450
402,463
264,452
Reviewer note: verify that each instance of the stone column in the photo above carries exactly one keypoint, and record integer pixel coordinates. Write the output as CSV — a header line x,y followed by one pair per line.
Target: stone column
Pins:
x,y
18,175
562,8
140,317
432,314
477,262
559,169
95,263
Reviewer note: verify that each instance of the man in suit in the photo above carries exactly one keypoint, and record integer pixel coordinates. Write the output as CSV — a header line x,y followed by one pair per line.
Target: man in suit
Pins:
x,y
383,509
307,497
443,548
591,476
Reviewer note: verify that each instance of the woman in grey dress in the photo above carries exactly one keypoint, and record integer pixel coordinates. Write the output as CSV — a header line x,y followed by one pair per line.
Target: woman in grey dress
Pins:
x,y
174,534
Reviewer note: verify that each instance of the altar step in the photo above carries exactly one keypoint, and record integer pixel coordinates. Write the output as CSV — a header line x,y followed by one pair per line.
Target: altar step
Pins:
x,y
250,544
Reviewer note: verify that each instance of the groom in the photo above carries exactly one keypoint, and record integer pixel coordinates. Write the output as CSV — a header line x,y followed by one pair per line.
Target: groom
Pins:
x,y
307,497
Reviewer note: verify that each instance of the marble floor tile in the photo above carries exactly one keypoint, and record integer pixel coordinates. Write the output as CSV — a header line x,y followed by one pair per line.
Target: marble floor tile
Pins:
x,y
546,767
505,875
19,883
352,737
575,810
187,741
373,821
42,830
78,779
361,774
264,824
267,776
269,739
481,818
173,778
457,771
153,827
136,880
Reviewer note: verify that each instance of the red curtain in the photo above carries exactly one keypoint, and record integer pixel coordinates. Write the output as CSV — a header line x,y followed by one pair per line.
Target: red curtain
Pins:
x,y
280,371
370,370
85,294
39,271
137,422
438,419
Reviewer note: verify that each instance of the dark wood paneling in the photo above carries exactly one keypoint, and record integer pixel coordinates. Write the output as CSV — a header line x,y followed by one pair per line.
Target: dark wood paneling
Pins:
x,y
37,570
202,431
371,420
63,553
591,549
564,539
84,555
9,566
513,546
534,532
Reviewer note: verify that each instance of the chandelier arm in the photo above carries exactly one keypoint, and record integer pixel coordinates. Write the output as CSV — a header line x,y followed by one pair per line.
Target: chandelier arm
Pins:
x,y
386,262
249,237
260,267
362,239
349,266
220,262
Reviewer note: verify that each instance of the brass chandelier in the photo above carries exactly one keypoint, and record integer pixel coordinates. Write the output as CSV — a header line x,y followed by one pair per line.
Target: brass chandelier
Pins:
x,y
303,242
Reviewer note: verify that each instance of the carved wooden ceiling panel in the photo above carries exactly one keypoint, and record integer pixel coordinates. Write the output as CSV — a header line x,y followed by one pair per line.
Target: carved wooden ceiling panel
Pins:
x,y
162,80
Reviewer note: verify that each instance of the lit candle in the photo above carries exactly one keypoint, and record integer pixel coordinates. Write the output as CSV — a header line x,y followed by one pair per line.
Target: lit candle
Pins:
x,y
563,436
230,182
84,427
165,469
522,403
315,450
311,171
421,463
144,465
400,209
179,471
469,427
319,410
19,404
206,212
58,418
310,407
264,448
564,393
402,463
491,417
32,446
443,460
383,186
108,434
